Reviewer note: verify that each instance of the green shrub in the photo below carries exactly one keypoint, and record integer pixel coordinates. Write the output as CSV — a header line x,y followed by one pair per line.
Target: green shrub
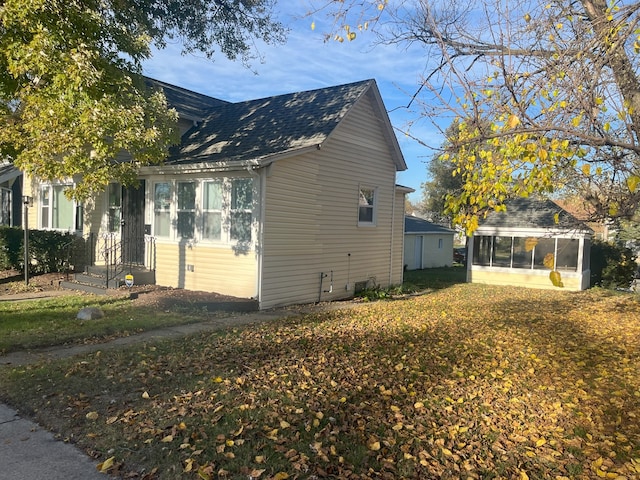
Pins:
x,y
49,251
612,266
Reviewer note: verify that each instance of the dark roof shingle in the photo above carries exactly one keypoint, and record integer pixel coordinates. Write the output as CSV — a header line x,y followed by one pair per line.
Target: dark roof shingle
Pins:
x,y
256,129
419,225
531,213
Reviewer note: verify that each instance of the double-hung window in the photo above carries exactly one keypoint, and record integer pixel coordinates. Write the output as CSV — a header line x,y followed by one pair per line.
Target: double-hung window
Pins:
x,y
241,209
162,209
186,209
212,205
367,206
57,212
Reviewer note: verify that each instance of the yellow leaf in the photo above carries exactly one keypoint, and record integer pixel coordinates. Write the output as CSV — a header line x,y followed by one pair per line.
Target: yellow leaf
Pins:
x,y
167,439
632,183
527,17
259,458
106,465
418,405
556,279
281,476
549,261
523,475
145,394
284,424
586,169
92,416
513,121
313,25
111,420
530,243
256,473
188,465
375,446
540,442
447,452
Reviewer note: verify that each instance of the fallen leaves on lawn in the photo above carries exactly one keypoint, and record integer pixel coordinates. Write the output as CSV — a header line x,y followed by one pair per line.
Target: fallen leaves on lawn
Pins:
x,y
466,382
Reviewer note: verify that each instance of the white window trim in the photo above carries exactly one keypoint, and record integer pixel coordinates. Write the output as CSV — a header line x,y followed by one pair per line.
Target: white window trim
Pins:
x,y
225,240
74,206
374,207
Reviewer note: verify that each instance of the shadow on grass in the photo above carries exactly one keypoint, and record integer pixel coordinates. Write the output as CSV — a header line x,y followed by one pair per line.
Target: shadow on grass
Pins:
x,y
436,278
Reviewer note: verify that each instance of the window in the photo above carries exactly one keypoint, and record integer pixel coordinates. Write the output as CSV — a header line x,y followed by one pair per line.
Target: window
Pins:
x,y
57,211
241,209
162,209
501,252
439,243
186,209
482,250
212,210
567,254
366,206
526,252
5,206
114,194
215,210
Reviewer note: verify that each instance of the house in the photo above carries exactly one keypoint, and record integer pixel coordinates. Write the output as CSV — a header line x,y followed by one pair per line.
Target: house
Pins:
x,y
426,244
288,199
10,195
523,245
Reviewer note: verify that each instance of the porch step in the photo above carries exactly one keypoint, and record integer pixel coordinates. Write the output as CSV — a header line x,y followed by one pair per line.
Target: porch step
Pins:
x,y
94,280
83,287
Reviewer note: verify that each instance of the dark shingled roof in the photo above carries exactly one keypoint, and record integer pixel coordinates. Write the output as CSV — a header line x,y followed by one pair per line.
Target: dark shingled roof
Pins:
x,y
191,105
256,129
418,225
530,213
8,172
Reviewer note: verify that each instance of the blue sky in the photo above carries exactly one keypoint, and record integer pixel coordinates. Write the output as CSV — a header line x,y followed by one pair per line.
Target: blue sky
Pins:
x,y
306,62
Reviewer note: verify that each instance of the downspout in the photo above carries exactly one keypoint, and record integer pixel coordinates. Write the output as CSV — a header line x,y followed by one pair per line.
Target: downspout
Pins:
x,y
393,224
262,180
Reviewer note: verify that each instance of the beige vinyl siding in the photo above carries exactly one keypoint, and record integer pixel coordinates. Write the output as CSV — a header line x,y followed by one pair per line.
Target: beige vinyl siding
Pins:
x,y
215,269
311,217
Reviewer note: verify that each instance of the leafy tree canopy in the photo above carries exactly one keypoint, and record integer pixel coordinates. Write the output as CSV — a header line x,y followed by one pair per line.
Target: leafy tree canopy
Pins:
x,y
546,94
72,100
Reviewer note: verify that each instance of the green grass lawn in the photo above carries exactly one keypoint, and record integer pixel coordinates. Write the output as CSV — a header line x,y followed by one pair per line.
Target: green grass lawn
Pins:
x,y
26,325
469,381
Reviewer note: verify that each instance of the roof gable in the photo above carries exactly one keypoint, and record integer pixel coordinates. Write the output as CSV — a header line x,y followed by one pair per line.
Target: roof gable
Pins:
x,y
261,129
526,213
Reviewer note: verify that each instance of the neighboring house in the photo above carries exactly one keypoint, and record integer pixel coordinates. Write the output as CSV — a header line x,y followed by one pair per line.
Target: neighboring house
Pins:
x,y
426,244
523,245
288,199
10,195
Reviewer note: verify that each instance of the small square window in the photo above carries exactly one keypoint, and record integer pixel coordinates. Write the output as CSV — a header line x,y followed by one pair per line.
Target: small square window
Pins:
x,y
366,206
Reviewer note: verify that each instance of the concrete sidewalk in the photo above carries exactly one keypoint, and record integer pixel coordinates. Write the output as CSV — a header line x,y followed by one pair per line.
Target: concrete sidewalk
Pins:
x,y
27,451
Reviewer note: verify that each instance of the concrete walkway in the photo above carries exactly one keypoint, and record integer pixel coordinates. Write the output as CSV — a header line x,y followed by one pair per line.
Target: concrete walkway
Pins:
x,y
27,451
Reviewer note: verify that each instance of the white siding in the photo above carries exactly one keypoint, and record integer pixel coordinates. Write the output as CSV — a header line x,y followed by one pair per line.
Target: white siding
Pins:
x,y
311,217
437,250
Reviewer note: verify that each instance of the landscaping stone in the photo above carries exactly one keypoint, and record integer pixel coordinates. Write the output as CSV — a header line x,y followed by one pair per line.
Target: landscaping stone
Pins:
x,y
90,313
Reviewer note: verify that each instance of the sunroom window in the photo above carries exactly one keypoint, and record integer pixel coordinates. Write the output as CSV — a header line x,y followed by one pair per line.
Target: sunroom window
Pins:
x,y
526,252
212,210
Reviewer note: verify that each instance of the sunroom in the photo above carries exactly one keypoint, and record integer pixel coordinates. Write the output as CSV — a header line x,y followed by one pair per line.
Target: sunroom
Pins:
x,y
535,243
